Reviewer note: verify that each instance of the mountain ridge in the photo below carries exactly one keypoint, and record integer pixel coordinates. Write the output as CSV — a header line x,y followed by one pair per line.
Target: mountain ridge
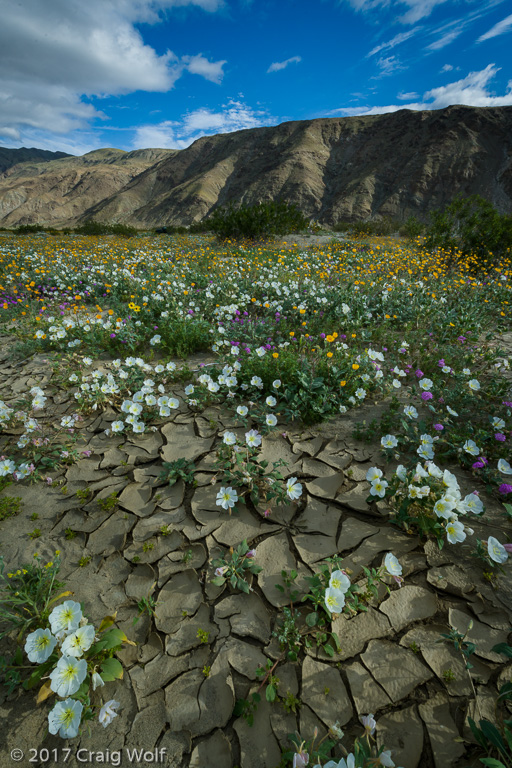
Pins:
x,y
397,164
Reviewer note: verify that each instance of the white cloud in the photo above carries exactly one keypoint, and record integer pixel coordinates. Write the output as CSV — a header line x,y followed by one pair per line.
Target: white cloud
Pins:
x,y
499,29
407,96
277,65
210,70
418,9
471,91
53,54
444,40
396,40
447,68
388,65
233,116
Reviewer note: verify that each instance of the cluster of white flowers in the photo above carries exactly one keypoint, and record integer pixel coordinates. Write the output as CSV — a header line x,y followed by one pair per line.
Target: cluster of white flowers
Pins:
x,y
439,489
73,636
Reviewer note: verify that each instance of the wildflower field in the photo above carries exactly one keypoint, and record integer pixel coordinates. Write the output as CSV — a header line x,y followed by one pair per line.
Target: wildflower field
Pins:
x,y
255,503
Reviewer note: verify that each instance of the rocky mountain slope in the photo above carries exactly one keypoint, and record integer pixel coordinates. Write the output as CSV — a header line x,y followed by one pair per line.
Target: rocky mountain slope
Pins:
x,y
334,169
9,157
58,192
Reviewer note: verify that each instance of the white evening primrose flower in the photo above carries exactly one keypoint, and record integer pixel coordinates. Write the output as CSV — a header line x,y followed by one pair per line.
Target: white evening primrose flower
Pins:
x,y
156,339
334,600
213,386
227,498
97,680
164,411
360,393
426,384
401,473
65,617
498,423
466,372
434,470
79,641
455,531
86,360
496,551
253,438
276,384
369,723
189,390
135,409
293,488
388,441
68,675
411,411
504,467
385,759
473,503
108,712
7,467
451,411
261,351
413,492
379,488
444,508
271,401
373,474
339,581
270,420
396,384
39,645
425,451
64,718
138,427
171,367
173,403
449,479
257,382
229,438
150,400
242,410
392,565
474,385
343,408
471,447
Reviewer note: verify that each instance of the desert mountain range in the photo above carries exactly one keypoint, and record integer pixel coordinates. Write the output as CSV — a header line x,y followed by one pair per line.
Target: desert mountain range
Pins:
x,y
333,169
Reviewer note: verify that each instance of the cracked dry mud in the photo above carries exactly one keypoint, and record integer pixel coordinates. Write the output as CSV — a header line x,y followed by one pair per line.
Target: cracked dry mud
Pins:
x,y
390,663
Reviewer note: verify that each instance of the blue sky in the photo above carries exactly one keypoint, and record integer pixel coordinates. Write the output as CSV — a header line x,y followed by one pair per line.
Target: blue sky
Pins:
x,y
78,75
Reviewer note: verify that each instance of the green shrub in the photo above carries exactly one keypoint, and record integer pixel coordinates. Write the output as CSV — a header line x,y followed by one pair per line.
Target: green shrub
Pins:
x,y
412,228
471,226
369,228
256,221
97,228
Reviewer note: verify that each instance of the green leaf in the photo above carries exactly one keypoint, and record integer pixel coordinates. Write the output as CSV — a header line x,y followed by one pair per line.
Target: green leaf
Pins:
x,y
491,762
111,669
112,639
218,581
328,649
270,693
503,648
312,619
494,736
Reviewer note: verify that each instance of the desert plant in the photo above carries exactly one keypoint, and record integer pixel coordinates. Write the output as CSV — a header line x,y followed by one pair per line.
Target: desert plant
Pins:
x,y
257,221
